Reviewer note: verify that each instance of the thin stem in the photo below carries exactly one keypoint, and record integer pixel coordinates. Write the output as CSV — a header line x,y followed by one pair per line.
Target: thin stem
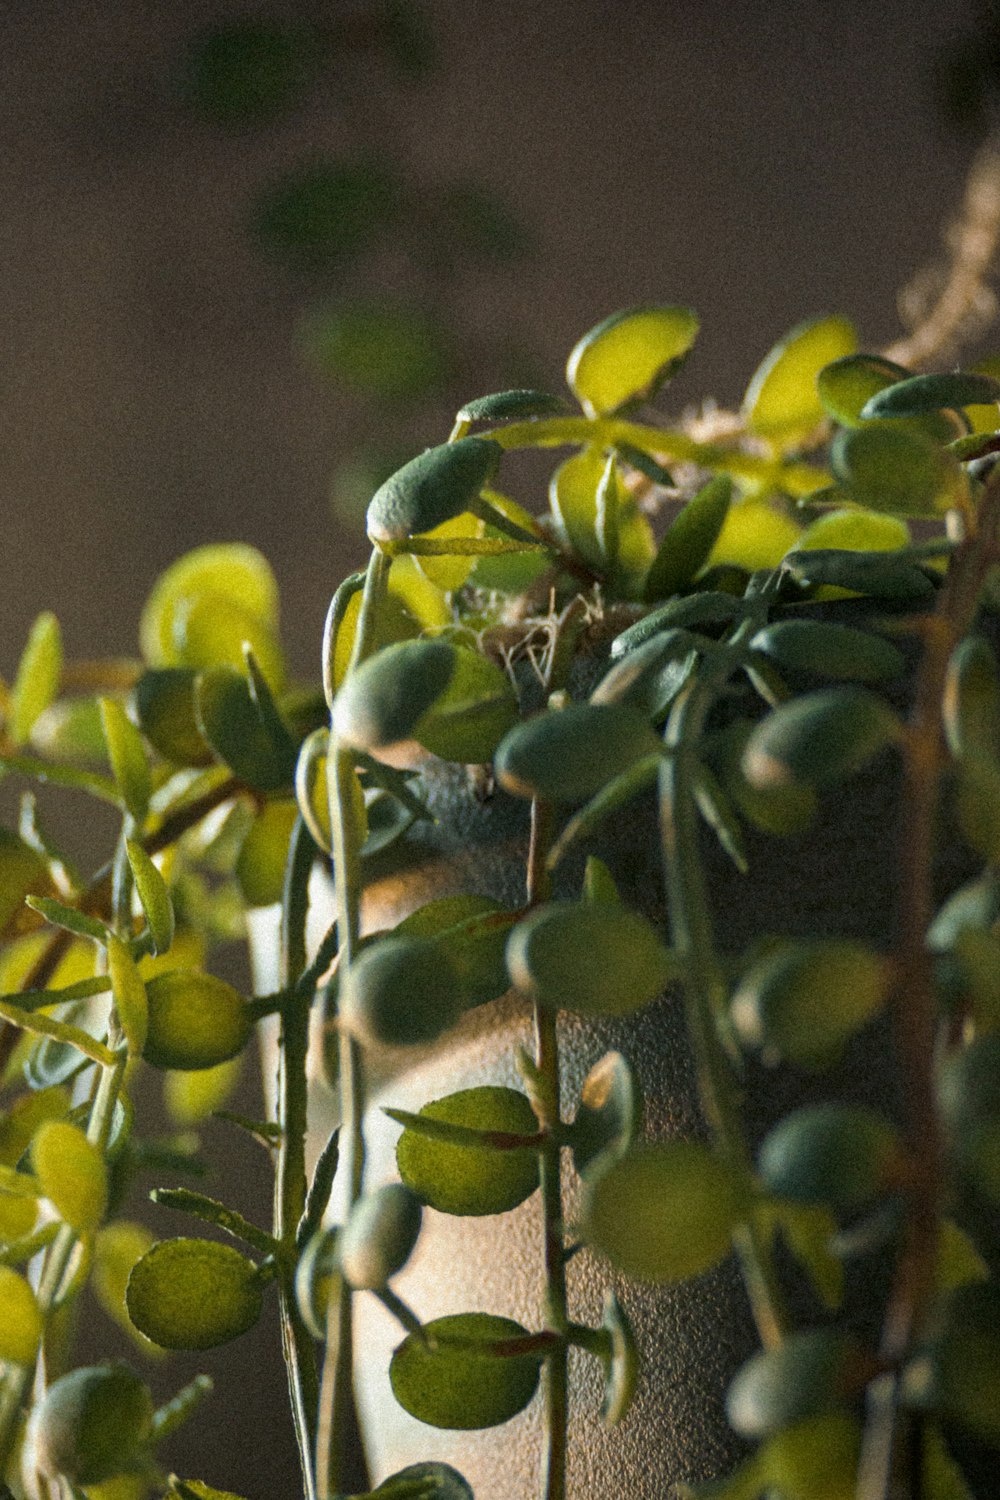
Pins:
x,y
704,983
291,1184
337,1424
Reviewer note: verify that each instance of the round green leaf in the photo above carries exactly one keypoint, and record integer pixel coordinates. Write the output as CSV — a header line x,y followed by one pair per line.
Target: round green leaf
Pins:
x,y
819,739
425,1482
829,650
193,1294
969,1099
399,992
258,751
469,718
192,1096
814,1459
854,530
21,1326
473,931
971,701
782,401
195,1020
689,540
383,702
833,1154
803,1001
569,754
610,1114
808,1373
230,570
903,472
90,1425
72,1172
440,483
922,393
455,1381
588,957
663,1212
511,406
627,358
117,1247
471,1180
846,384
38,674
260,864
163,701
211,630
22,1118
379,1236
979,804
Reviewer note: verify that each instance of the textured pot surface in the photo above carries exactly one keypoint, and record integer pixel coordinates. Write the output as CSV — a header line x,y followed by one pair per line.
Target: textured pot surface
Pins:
x,y
691,1337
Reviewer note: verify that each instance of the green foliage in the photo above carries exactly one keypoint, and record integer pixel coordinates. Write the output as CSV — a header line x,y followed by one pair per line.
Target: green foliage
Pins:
x,y
627,358
90,1425
802,1002
193,1294
400,991
379,1236
37,680
195,1020
461,1374
569,754
460,1178
837,1155
592,958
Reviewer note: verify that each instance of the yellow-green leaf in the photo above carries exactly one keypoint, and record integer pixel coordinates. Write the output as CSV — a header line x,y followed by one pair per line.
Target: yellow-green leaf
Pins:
x,y
782,401
229,570
127,755
73,1174
154,896
38,674
129,994
193,1095
626,358
21,1324
193,1294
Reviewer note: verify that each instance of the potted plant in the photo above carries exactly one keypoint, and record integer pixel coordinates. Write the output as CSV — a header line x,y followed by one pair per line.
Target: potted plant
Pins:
x,y
660,947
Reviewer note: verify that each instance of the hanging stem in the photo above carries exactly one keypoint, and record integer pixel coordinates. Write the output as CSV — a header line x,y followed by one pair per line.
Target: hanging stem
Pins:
x,y
704,984
290,1184
337,1424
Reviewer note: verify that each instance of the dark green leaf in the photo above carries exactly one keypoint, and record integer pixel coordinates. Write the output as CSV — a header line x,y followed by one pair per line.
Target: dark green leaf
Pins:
x,y
399,992
880,574
829,650
971,702
966,1360
846,384
425,1482
439,484
323,214
811,1372
506,406
379,1235
820,738
383,701
231,722
569,754
834,1154
688,613
626,359
472,931
467,721
688,542
662,1212
471,1179
923,393
645,464
455,1380
193,1294
588,957
164,706
901,472
214,1212
91,1425
803,1000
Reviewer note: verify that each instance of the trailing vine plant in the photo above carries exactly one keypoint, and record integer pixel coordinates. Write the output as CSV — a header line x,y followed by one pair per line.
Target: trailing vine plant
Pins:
x,y
721,685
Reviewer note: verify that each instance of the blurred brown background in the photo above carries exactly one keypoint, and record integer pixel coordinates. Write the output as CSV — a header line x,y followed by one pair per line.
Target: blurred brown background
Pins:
x,y
761,162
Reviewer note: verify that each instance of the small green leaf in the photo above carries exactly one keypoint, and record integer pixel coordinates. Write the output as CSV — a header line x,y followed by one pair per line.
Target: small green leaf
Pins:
x,y
569,754
507,406
197,1489
827,649
782,401
622,1373
662,1213
820,738
809,1373
386,352
472,931
426,1482
590,958
163,703
127,755
260,864
226,570
645,464
922,393
808,1230
378,1238
599,883
193,1294
846,384
877,573
90,1425
231,721
190,1097
316,1276
38,674
688,613
21,1328
689,540
854,530
400,991
901,472
382,702
440,483
195,1020
73,1174
455,1380
583,493
834,1154
625,360
67,917
318,216
467,721
803,1001
971,701
154,896
213,1212
469,1179
129,994
610,1114
117,1247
